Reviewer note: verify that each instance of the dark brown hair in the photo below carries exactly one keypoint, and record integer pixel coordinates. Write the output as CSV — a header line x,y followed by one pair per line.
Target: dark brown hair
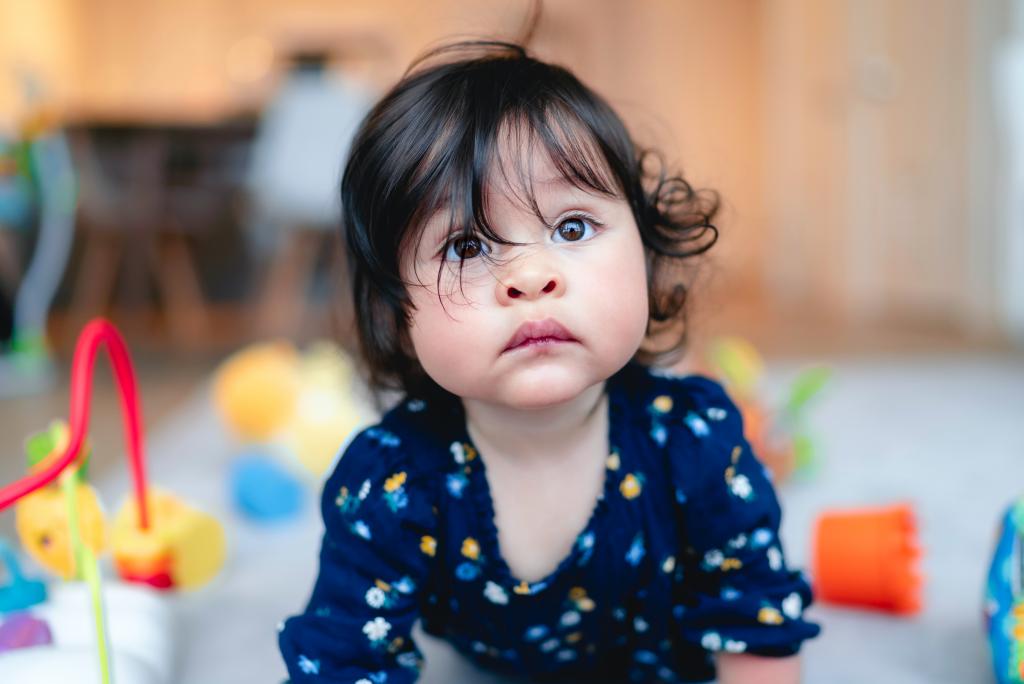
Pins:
x,y
430,143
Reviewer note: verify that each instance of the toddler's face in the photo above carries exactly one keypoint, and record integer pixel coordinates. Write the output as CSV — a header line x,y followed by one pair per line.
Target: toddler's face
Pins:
x,y
539,322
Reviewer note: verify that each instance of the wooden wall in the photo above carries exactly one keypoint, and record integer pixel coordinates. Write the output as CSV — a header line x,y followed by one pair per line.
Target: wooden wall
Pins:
x,y
844,135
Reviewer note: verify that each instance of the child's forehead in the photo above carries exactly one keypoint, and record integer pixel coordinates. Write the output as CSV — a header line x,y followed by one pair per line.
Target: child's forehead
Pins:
x,y
528,177
522,162
543,188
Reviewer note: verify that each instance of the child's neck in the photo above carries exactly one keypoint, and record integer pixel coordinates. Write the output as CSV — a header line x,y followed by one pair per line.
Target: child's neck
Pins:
x,y
532,435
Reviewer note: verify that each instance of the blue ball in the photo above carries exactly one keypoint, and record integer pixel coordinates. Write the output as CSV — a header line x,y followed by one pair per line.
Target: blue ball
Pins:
x,y
263,490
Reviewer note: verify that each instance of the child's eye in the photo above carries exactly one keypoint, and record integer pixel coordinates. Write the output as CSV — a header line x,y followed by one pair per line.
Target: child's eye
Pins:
x,y
461,249
574,229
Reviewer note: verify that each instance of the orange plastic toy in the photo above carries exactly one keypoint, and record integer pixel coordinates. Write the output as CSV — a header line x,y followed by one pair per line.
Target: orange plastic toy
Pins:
x,y
868,558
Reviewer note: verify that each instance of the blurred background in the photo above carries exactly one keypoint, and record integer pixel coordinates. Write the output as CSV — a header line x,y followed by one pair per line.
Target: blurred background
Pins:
x,y
172,166
865,152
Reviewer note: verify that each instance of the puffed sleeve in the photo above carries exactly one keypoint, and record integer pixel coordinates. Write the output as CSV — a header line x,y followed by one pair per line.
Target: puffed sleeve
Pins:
x,y
376,552
737,594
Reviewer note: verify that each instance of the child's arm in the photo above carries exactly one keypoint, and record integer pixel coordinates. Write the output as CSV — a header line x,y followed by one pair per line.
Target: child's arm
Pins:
x,y
736,668
375,556
739,599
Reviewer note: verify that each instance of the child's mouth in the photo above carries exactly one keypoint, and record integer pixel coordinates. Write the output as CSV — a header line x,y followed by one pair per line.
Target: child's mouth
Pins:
x,y
536,333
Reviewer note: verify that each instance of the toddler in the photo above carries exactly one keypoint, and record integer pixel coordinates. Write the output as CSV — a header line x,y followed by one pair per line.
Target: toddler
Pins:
x,y
542,497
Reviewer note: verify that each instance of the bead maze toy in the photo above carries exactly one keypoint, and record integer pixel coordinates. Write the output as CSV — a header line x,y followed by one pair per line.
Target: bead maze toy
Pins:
x,y
158,542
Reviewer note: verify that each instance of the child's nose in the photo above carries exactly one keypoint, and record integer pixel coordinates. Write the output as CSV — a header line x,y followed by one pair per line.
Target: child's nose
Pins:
x,y
530,283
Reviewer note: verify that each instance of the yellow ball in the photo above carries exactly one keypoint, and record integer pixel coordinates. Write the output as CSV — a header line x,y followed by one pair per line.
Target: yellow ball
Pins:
x,y
321,424
326,410
256,389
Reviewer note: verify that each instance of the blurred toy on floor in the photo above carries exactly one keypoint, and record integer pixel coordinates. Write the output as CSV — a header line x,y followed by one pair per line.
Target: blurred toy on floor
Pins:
x,y
19,592
779,433
37,180
868,558
157,541
1004,598
291,413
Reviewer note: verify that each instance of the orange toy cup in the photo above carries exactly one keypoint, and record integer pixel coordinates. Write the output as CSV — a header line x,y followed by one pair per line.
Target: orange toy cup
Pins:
x,y
868,558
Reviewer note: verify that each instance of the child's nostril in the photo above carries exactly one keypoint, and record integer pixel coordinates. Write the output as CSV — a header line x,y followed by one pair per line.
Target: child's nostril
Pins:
x,y
513,292
549,287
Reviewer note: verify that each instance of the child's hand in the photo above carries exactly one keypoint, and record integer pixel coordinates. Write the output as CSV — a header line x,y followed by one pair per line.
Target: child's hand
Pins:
x,y
739,668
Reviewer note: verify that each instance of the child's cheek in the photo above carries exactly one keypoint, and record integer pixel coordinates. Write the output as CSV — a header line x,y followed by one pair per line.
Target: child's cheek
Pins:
x,y
444,336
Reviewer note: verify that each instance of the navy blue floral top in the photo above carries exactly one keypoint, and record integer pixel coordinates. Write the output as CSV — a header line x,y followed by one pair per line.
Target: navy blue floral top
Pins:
x,y
679,560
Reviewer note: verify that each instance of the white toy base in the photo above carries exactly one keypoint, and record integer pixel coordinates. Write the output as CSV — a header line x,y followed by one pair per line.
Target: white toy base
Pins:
x,y
140,623
51,664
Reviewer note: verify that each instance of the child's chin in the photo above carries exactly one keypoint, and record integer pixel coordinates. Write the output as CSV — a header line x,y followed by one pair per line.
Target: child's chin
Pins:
x,y
542,388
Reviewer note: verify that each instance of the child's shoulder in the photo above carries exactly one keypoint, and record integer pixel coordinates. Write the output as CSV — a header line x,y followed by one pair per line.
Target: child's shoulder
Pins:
x,y
668,392
389,473
411,438
687,414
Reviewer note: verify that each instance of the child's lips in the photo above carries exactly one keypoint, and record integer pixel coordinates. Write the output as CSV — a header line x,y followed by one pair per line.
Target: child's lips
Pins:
x,y
539,332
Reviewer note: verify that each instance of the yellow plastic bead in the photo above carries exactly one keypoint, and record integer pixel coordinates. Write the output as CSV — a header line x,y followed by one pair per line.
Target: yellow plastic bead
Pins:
x,y
191,542
41,520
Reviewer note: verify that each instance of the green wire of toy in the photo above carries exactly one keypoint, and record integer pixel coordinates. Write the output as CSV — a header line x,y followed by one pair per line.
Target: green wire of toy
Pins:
x,y
87,568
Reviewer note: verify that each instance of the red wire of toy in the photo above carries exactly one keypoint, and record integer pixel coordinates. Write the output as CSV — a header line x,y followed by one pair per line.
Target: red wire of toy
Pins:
x,y
97,332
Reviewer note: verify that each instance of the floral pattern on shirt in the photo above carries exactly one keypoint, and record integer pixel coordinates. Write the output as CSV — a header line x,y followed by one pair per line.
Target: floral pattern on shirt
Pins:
x,y
679,560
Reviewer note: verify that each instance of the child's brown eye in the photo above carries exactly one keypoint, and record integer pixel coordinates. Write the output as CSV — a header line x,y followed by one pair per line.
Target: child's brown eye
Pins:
x,y
573,230
461,249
